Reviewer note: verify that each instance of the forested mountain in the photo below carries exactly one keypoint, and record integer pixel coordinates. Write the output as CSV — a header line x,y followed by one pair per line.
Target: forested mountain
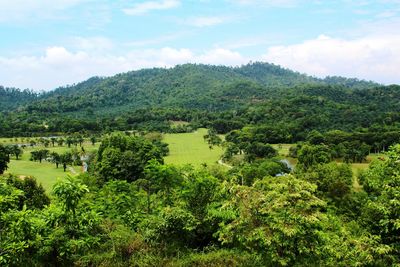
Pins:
x,y
203,95
11,98
186,86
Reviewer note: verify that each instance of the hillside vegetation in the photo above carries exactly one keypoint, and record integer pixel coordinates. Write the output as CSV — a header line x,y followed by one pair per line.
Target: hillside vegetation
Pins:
x,y
316,202
202,95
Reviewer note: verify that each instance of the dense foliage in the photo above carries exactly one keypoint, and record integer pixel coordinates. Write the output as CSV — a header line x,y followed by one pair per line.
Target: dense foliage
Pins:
x,y
223,98
130,209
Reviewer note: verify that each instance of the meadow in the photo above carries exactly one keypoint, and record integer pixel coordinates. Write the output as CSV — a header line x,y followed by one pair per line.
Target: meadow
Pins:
x,y
190,148
185,148
45,173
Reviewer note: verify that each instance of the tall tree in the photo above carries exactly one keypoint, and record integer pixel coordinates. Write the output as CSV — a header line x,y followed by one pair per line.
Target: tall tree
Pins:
x,y
4,159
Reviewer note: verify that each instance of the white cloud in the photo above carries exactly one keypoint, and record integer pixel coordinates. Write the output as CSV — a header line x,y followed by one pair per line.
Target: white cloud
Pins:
x,y
145,7
220,56
59,66
373,58
206,21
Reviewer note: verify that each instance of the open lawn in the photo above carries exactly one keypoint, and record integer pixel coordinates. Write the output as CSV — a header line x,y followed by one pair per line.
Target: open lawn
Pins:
x,y
190,148
185,148
45,173
283,149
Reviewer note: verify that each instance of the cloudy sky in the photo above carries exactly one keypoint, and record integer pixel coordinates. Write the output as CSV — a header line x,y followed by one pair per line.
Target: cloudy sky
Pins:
x,y
50,43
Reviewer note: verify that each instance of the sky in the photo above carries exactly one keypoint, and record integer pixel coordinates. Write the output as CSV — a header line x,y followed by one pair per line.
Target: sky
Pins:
x,y
50,43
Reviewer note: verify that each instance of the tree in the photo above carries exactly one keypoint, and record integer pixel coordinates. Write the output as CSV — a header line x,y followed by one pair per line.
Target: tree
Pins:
x,y
32,143
66,159
60,141
315,138
355,151
248,173
212,138
4,159
259,150
231,150
69,193
39,155
55,158
93,139
34,195
161,177
334,180
80,140
381,212
53,140
17,151
45,142
309,155
278,218
125,157
69,140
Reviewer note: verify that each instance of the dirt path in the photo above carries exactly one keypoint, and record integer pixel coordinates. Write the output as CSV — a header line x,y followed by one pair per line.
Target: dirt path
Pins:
x,y
224,164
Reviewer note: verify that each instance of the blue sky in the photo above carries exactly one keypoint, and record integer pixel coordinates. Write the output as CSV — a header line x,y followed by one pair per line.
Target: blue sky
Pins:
x,y
51,43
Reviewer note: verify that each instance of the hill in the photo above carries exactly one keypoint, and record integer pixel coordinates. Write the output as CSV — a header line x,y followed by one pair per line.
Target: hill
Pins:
x,y
186,86
12,98
223,97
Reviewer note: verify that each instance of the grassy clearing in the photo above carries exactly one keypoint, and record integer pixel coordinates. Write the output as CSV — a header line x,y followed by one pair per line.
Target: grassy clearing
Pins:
x,y
178,123
45,173
190,148
283,149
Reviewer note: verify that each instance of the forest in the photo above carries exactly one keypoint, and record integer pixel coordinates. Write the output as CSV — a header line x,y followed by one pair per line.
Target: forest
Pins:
x,y
283,192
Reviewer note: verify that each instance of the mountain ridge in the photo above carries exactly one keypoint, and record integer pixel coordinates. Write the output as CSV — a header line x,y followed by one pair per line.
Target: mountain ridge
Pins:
x,y
180,86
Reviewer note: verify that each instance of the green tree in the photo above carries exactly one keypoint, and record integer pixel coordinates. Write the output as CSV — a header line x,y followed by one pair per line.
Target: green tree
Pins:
x,y
34,195
69,140
309,155
53,140
212,138
69,193
334,180
381,212
4,159
163,178
55,158
278,218
39,155
65,160
125,157
17,151
60,141
93,139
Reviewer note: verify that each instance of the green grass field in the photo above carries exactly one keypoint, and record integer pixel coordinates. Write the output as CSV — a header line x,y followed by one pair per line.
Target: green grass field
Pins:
x,y
283,149
45,173
185,148
190,148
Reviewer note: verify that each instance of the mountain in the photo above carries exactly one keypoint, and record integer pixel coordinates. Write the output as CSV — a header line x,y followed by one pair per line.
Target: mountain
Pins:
x,y
12,98
185,86
223,97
